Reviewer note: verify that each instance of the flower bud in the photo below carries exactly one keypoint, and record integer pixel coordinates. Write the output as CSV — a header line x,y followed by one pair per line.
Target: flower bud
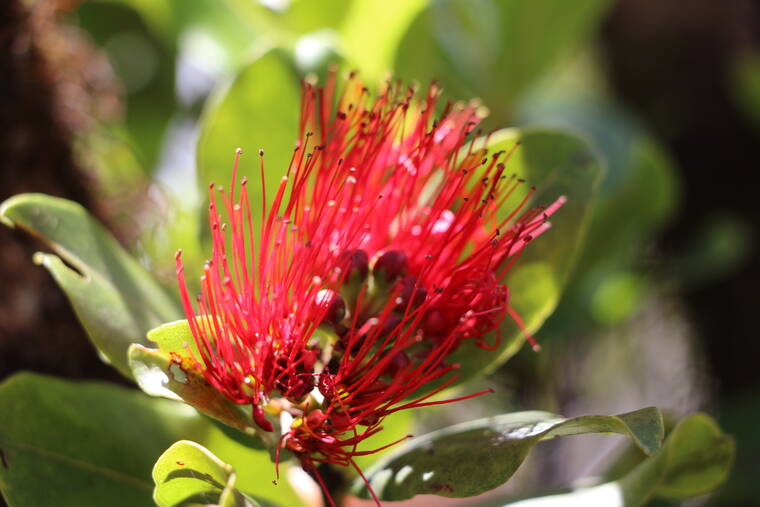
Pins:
x,y
336,307
358,265
260,419
315,418
389,266
340,420
434,323
369,419
326,385
389,324
299,388
412,289
398,364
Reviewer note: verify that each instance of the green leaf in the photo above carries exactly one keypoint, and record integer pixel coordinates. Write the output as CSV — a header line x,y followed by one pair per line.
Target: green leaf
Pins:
x,y
558,164
172,376
230,28
175,337
255,471
371,34
395,427
493,49
72,444
171,371
258,110
187,472
145,70
115,298
303,16
695,459
468,459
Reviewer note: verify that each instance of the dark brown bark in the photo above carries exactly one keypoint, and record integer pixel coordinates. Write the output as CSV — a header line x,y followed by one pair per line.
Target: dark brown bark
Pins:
x,y
41,98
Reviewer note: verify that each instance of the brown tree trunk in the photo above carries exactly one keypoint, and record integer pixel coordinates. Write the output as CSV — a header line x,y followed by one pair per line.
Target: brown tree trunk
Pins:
x,y
38,330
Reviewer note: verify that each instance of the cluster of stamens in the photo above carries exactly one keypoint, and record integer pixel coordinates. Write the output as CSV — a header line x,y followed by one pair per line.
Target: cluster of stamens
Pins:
x,y
386,256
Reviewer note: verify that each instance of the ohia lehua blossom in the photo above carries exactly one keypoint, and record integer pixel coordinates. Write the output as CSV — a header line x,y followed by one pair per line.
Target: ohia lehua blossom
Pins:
x,y
340,300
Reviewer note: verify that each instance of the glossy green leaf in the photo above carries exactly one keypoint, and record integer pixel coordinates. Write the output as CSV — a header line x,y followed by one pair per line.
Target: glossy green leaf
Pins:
x,y
493,49
115,298
258,110
72,444
471,458
188,473
557,164
695,459
75,444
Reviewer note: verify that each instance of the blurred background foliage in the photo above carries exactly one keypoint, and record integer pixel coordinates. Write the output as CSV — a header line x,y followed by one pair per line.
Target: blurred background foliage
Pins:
x,y
153,96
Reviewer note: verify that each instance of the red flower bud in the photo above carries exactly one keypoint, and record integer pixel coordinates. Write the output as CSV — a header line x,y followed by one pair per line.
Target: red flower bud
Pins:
x,y
389,266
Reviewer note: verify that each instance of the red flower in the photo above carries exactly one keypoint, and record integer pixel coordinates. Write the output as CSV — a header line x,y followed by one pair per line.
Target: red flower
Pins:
x,y
386,257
